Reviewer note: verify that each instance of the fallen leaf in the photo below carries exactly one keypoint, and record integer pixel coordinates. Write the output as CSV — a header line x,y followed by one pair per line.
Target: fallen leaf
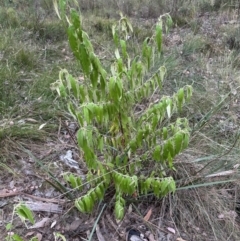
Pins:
x,y
53,223
29,234
41,126
150,236
40,224
148,215
171,230
180,239
39,236
99,234
74,225
221,216
31,120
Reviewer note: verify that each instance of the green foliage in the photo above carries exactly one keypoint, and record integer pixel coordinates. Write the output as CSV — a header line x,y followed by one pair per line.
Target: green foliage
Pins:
x,y
24,213
103,105
74,181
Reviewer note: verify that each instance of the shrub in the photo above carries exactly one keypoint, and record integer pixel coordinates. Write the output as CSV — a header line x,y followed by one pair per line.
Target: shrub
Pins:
x,y
118,144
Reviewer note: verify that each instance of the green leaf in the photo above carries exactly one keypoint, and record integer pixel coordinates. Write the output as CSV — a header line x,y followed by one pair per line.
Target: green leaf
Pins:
x,y
99,190
55,5
162,71
80,205
178,139
84,59
74,86
89,203
124,48
159,36
58,235
24,213
117,55
119,207
75,19
115,35
164,186
165,133
157,153
171,185
9,226
169,23
16,237
72,39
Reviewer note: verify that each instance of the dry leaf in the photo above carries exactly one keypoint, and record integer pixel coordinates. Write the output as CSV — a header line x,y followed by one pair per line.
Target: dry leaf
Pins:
x,y
40,224
148,215
99,234
39,236
53,223
180,239
172,230
150,236
41,126
29,234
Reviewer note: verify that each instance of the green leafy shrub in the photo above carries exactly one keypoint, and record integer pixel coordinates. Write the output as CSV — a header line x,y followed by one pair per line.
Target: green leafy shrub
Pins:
x,y
119,145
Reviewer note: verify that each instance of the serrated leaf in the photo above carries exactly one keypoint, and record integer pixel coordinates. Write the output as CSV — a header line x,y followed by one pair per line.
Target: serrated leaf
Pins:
x,y
115,35
164,186
88,201
186,141
156,186
84,59
74,86
157,153
159,36
72,39
86,114
165,133
171,148
162,71
75,19
119,210
99,192
120,66
165,151
80,205
169,108
124,48
171,185
180,95
117,55
178,139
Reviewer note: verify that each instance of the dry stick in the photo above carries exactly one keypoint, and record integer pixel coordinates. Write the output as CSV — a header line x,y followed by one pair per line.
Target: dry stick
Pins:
x,y
110,220
71,135
99,234
11,194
